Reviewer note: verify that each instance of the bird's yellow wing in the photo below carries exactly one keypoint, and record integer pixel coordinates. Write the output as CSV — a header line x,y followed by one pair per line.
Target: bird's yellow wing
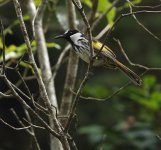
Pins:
x,y
106,51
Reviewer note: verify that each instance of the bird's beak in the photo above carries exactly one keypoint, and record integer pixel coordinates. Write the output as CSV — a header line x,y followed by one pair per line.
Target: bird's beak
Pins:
x,y
59,36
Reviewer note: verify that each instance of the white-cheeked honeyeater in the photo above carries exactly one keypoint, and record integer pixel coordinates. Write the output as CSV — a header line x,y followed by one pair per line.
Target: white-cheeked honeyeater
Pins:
x,y
105,57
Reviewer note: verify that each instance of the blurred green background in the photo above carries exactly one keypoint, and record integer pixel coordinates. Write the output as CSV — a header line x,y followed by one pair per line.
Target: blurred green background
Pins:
x,y
130,120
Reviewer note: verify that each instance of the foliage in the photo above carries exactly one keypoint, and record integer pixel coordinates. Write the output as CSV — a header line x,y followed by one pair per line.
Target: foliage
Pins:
x,y
136,131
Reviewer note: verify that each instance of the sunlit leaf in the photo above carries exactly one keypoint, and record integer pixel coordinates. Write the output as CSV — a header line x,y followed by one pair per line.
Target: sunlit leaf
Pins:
x,y
103,5
37,2
50,45
11,48
87,2
111,16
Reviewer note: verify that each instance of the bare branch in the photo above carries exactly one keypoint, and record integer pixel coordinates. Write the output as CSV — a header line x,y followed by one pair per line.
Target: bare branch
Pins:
x,y
14,128
27,107
75,102
33,125
31,57
72,67
79,7
46,70
2,95
36,16
19,121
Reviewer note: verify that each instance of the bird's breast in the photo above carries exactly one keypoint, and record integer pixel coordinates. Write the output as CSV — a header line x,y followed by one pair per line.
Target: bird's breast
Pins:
x,y
84,53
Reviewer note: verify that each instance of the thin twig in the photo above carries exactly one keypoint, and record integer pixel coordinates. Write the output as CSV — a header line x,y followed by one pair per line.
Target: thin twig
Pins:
x,y
19,121
2,95
108,97
12,127
59,61
26,88
3,47
79,7
33,125
130,62
27,107
151,7
140,24
125,15
30,131
75,102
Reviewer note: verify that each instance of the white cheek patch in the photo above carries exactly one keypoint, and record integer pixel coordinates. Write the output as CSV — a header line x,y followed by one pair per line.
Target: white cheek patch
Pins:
x,y
66,32
75,37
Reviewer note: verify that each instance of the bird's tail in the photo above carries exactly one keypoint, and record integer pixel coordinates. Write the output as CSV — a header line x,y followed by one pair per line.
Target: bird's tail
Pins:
x,y
133,76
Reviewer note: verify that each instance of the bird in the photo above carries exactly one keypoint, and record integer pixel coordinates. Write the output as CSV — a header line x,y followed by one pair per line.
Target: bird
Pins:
x,y
104,57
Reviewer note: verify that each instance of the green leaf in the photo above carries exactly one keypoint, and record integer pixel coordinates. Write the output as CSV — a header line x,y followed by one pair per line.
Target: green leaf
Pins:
x,y
50,45
111,16
37,2
95,91
149,80
87,2
11,48
136,1
153,102
103,5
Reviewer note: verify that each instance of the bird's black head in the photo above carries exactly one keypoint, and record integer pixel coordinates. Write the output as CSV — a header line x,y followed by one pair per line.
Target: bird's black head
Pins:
x,y
67,34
